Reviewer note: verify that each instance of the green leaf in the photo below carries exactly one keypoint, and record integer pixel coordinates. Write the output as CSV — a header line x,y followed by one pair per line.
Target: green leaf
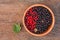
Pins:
x,y
16,28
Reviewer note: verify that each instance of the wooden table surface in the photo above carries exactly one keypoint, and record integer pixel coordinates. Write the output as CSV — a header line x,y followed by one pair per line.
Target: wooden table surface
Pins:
x,y
11,11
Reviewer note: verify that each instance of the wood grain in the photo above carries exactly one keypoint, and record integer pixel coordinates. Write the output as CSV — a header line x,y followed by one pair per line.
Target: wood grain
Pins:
x,y
11,11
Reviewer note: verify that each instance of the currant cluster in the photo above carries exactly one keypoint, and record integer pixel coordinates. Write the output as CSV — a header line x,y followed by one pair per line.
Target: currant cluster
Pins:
x,y
30,19
38,19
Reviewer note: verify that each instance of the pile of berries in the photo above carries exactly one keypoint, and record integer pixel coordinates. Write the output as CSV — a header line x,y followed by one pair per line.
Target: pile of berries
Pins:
x,y
38,19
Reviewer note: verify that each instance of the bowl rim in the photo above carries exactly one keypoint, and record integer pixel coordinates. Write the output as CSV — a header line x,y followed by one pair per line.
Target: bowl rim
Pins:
x,y
52,25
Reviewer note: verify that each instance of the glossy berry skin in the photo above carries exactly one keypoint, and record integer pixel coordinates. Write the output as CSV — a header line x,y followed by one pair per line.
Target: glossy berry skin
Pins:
x,y
38,18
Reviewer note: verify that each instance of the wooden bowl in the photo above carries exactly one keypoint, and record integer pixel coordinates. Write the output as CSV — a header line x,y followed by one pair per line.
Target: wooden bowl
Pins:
x,y
51,26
